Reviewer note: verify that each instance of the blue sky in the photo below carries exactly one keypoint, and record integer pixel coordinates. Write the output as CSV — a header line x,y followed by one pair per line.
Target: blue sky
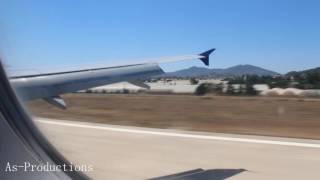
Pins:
x,y
280,35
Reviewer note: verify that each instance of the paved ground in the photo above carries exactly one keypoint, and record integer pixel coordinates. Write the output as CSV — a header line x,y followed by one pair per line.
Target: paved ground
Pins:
x,y
122,152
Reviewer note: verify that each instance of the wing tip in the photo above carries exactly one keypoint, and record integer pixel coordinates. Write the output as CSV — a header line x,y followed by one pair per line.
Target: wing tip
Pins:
x,y
206,54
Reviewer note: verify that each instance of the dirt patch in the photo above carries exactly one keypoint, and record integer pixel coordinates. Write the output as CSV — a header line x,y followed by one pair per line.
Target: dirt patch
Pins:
x,y
271,116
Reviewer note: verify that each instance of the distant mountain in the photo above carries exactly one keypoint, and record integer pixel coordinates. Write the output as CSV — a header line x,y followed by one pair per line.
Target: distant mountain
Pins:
x,y
248,69
304,72
232,71
306,79
192,72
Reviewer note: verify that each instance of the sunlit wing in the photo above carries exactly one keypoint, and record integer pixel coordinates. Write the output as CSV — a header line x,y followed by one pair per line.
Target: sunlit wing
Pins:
x,y
49,86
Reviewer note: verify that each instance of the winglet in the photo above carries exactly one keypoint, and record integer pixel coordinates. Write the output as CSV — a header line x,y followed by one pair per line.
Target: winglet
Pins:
x,y
205,58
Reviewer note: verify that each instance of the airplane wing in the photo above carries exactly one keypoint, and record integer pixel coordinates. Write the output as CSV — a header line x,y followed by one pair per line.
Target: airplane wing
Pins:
x,y
51,85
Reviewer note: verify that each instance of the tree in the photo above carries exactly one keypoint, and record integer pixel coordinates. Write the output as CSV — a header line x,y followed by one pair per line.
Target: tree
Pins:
x,y
194,81
250,90
202,89
242,89
125,91
218,88
230,89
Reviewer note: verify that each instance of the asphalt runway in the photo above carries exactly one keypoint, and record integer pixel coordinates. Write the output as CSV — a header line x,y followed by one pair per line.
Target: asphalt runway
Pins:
x,y
123,152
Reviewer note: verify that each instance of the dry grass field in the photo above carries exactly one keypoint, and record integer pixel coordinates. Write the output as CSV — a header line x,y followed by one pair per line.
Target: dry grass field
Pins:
x,y
270,116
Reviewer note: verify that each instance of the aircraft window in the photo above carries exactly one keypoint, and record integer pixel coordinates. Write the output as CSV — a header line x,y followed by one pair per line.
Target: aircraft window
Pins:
x,y
161,90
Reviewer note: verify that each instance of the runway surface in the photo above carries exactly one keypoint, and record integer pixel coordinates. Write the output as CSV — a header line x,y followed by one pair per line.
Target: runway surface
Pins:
x,y
122,152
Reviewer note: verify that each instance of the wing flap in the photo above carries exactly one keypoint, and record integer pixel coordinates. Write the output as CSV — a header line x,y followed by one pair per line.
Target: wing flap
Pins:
x,y
56,101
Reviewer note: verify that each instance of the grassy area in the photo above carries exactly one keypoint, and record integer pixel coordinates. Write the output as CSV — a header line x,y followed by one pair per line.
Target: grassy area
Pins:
x,y
272,116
